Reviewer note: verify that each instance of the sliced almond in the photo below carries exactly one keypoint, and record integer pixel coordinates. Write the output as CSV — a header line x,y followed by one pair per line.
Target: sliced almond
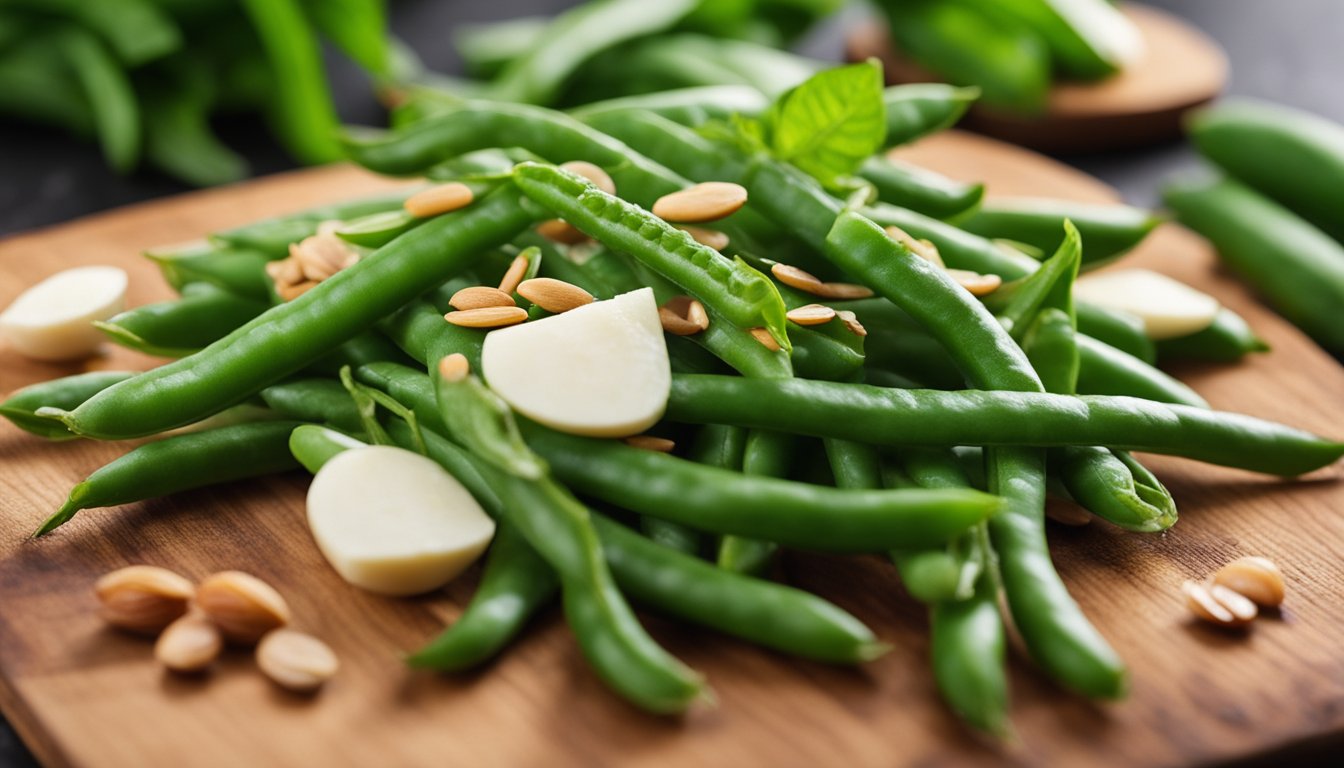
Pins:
x,y
811,314
561,231
1257,578
709,201
851,322
189,644
600,178
796,278
1240,606
1209,608
683,316
553,295
764,337
650,443
296,661
454,367
285,271
241,605
294,290
843,291
710,238
487,317
922,248
479,296
514,274
976,283
445,198
143,598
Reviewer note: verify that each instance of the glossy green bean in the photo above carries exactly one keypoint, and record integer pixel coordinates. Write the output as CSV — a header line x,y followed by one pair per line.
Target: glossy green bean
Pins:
x,y
765,454
109,94
321,401
138,31
273,236
920,109
960,249
686,106
67,392
1227,340
1105,370
1121,330
1108,231
909,186
301,104
240,271
204,315
313,445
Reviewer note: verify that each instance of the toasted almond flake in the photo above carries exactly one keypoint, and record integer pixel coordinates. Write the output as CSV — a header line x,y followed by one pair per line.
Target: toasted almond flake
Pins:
x,y
650,443
764,337
487,317
285,271
811,314
143,598
454,367
445,198
553,295
851,322
710,238
297,661
600,178
1257,578
795,277
683,316
294,290
843,291
1208,608
316,258
708,201
976,283
514,274
922,248
561,231
241,605
478,296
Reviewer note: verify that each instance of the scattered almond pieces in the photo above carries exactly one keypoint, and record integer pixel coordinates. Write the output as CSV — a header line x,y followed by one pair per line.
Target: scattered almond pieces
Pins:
x,y
809,283
242,605
683,316
189,644
811,314
976,283
561,231
310,261
650,443
851,322
143,598
514,274
296,661
922,248
708,201
844,291
479,297
710,238
445,198
600,178
553,295
764,337
1233,595
487,317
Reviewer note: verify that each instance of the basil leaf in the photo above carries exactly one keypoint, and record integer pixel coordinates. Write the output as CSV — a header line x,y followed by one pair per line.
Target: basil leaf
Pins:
x,y
832,122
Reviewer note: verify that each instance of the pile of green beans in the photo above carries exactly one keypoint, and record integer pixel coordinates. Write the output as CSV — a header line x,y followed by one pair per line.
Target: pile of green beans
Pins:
x,y
922,423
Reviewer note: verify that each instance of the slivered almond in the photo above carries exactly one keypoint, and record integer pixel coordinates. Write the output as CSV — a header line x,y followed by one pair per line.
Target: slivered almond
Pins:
x,y
478,296
843,291
708,201
284,271
710,238
795,277
976,283
445,198
922,248
554,295
600,178
811,314
487,317
1211,607
650,443
851,322
561,231
764,337
514,274
683,316
454,367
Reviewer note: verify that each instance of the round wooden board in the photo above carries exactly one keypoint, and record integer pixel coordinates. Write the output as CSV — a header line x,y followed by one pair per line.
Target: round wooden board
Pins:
x,y
85,696
1182,68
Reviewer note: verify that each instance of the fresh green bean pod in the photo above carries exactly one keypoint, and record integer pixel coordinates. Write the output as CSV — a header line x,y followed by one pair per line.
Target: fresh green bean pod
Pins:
x,y
765,454
182,463
109,94
313,445
1114,486
960,249
321,401
240,271
686,106
1088,39
1295,265
967,641
1121,330
1108,231
1292,156
420,331
909,186
273,237
1105,370
920,109
205,314
290,336
67,393
897,417
1227,340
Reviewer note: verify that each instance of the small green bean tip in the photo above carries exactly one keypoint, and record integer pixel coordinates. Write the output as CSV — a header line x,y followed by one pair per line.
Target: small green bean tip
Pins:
x,y
65,513
872,651
57,414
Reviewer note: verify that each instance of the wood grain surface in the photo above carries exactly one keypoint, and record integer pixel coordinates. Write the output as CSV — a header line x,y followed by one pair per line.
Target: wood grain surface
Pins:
x,y
83,695
1181,68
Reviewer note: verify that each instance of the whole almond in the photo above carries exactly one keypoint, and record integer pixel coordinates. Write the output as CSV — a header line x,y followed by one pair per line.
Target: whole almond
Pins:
x,y
487,317
143,598
241,605
189,644
295,660
796,278
478,296
600,178
1257,578
445,198
707,201
553,295
514,274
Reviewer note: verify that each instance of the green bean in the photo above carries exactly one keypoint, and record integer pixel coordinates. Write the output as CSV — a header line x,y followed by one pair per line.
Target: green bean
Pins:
x,y
686,60
273,237
68,392
958,248
204,314
1227,340
321,401
109,94
967,645
358,28
909,186
36,82
687,106
1289,155
1086,37
136,30
182,463
765,454
288,337
1295,265
1105,370
313,445
239,271
897,417
1121,330
715,445
1051,345
1108,230
1114,486
178,138
745,297
918,110
487,48
420,331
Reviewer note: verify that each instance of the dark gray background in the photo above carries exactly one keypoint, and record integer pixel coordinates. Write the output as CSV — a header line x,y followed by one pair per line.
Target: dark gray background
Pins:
x,y
1286,50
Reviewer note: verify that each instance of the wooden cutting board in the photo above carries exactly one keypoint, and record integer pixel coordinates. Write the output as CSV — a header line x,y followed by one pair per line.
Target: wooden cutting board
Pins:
x,y
86,696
